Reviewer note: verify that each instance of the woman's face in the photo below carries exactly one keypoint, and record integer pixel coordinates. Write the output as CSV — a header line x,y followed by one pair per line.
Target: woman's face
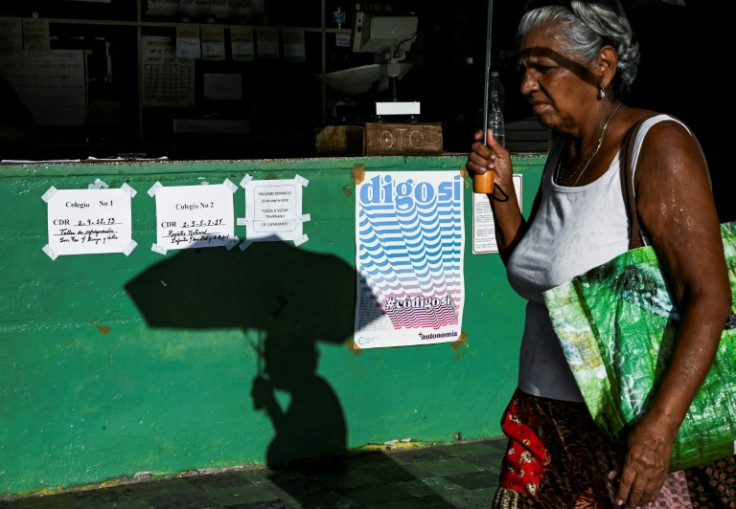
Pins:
x,y
556,83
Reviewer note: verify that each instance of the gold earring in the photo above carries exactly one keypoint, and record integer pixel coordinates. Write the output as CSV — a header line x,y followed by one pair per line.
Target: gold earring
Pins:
x,y
601,92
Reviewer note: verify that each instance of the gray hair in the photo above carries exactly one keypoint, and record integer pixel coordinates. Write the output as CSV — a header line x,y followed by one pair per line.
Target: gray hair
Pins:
x,y
591,25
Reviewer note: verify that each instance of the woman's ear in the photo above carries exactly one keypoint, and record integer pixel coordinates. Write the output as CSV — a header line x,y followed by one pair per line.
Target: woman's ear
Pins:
x,y
606,68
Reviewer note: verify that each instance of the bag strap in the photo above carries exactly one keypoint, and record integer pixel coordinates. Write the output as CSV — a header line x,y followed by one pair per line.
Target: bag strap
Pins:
x,y
627,184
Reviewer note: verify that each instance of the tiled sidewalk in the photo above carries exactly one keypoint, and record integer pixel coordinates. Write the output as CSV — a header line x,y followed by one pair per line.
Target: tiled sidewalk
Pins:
x,y
460,475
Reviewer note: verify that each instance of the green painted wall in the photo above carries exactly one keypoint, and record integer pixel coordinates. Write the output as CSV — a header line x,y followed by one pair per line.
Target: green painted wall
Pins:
x,y
90,392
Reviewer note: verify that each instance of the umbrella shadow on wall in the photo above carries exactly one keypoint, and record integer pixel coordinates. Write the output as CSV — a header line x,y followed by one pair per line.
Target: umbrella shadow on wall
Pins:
x,y
295,298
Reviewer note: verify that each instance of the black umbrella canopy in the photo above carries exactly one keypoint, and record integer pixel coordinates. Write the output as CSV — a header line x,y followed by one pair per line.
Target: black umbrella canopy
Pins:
x,y
282,290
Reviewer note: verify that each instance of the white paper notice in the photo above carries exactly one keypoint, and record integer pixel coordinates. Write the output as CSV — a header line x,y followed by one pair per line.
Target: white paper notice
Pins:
x,y
484,227
267,42
167,80
294,45
242,42
222,86
213,42
195,216
89,221
52,84
188,44
11,35
36,35
273,210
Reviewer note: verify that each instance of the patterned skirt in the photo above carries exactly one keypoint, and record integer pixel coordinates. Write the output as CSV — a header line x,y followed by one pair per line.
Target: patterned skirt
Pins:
x,y
557,458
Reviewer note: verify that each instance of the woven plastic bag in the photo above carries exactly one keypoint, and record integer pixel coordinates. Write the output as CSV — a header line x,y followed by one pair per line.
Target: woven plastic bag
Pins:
x,y
616,324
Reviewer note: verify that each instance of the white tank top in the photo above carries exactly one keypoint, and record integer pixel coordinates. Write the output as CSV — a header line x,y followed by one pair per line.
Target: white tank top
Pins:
x,y
574,230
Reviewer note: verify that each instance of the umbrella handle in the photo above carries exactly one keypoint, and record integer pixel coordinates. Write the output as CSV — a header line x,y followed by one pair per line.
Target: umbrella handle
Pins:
x,y
489,30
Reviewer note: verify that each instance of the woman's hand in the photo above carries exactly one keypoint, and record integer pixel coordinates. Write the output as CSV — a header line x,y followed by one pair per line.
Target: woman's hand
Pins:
x,y
647,461
492,157
508,221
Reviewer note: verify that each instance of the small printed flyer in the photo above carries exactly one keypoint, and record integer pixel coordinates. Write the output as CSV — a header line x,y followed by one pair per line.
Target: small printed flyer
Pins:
x,y
89,221
410,239
273,209
194,216
484,227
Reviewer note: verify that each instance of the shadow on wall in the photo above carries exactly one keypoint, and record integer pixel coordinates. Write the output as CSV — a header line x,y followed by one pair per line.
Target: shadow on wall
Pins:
x,y
294,298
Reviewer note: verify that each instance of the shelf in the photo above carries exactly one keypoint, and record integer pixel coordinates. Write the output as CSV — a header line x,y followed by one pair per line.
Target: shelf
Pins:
x,y
119,111
125,79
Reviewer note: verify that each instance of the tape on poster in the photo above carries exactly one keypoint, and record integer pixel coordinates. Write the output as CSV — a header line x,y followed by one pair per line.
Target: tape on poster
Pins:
x,y
358,173
130,247
154,189
301,180
98,184
460,341
353,347
245,181
50,192
50,252
129,190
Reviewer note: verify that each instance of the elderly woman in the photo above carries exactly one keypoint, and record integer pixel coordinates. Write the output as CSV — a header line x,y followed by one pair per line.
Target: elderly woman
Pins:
x,y
579,62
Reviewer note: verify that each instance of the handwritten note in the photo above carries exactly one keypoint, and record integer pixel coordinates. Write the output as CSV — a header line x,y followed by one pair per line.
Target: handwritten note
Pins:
x,y
89,221
195,216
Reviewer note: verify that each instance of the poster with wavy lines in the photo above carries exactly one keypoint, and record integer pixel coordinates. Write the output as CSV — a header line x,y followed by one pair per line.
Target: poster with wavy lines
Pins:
x,y
410,241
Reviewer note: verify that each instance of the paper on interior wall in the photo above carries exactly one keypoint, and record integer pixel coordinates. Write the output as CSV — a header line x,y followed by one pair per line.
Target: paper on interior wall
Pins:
x,y
167,80
52,84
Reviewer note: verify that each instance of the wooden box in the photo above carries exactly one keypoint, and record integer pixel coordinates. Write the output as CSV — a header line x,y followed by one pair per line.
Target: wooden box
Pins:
x,y
340,140
408,139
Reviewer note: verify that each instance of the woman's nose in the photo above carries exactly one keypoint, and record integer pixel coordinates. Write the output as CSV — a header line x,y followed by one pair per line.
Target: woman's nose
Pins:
x,y
528,83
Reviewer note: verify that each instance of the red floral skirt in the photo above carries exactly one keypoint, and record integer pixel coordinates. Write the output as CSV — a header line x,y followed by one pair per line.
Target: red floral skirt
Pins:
x,y
556,458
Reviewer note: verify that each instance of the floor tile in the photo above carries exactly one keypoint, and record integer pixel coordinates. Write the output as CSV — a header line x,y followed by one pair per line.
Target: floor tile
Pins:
x,y
462,475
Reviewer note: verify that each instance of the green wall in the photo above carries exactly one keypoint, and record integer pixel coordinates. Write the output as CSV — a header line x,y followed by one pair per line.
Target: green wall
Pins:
x,y
91,391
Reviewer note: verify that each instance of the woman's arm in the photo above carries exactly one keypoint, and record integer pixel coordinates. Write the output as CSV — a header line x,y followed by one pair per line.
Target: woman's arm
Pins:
x,y
677,211
509,222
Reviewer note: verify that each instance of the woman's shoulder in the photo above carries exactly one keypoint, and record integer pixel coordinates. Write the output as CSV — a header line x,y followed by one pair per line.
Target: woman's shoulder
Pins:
x,y
665,142
649,118
653,127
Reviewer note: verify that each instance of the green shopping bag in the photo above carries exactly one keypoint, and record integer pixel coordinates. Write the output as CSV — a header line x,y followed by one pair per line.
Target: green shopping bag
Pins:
x,y
616,324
